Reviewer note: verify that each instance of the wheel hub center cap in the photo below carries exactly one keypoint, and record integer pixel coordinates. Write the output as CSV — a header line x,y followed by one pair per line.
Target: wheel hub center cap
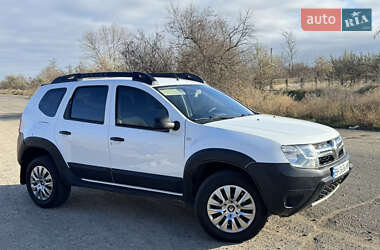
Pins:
x,y
231,208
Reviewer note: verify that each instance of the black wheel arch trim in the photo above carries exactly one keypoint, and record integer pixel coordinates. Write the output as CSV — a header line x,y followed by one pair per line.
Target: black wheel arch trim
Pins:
x,y
23,145
202,158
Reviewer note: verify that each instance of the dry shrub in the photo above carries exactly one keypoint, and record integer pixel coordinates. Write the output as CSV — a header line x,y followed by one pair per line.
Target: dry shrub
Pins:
x,y
342,107
266,101
328,108
26,92
364,110
338,107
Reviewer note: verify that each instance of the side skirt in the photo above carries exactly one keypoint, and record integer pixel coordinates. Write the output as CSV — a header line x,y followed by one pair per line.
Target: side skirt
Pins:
x,y
116,180
133,187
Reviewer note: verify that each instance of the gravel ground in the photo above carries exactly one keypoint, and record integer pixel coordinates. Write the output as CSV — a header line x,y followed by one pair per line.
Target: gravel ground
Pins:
x,y
95,219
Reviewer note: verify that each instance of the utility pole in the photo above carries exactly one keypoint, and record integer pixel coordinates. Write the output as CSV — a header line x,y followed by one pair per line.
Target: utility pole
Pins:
x,y
272,68
271,50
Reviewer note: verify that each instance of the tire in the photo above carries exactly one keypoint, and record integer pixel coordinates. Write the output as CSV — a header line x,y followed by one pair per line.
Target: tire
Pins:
x,y
250,216
51,192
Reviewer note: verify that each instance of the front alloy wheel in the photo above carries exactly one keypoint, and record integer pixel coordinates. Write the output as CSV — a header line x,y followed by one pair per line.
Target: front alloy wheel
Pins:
x,y
229,207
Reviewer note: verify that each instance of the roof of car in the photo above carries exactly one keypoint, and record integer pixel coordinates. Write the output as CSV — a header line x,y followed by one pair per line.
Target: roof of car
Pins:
x,y
160,81
153,79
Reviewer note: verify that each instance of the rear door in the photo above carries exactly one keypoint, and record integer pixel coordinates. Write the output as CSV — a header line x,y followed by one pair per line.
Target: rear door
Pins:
x,y
142,157
82,133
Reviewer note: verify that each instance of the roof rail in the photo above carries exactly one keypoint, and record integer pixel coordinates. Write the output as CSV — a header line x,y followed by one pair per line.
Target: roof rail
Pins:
x,y
186,76
136,76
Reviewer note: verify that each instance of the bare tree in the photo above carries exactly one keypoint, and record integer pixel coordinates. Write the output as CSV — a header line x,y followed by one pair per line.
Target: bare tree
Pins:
x,y
290,49
148,53
104,47
264,65
14,82
323,69
207,43
50,72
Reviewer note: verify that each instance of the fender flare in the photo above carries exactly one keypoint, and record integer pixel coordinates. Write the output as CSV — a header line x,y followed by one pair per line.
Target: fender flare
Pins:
x,y
200,159
24,145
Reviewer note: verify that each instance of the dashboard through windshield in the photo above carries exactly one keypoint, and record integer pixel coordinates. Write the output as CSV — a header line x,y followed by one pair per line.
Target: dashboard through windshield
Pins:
x,y
202,104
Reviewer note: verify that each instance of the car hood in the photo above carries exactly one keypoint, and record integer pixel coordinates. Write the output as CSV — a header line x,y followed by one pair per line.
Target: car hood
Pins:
x,y
285,131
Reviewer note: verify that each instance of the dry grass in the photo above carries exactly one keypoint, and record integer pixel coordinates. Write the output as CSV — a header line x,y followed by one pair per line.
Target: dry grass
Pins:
x,y
338,107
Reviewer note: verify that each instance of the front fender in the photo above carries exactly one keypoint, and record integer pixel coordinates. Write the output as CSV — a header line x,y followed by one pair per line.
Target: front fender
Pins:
x,y
199,160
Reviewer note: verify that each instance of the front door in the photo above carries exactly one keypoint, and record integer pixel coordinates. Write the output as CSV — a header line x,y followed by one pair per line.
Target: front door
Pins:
x,y
142,157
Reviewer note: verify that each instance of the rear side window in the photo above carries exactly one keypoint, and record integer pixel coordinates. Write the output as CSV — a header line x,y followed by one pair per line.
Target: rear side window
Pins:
x,y
136,108
51,100
88,104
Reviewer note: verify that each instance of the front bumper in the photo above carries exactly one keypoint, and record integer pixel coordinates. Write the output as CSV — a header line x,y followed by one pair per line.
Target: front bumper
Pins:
x,y
286,190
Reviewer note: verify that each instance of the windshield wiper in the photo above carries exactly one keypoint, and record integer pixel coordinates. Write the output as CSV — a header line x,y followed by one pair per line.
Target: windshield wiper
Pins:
x,y
242,115
213,118
217,118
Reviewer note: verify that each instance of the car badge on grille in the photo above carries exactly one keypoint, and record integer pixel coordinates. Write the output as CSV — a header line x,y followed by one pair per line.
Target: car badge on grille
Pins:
x,y
335,149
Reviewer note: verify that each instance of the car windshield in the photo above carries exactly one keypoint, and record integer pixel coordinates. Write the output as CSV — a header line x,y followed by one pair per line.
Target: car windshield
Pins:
x,y
202,104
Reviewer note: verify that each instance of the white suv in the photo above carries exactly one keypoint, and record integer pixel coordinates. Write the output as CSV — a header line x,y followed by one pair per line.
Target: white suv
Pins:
x,y
171,134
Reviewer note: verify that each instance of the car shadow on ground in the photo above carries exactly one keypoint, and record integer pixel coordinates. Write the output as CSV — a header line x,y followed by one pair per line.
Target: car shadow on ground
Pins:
x,y
97,220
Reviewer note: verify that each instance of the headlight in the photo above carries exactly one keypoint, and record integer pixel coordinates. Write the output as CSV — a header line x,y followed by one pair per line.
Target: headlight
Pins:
x,y
302,156
339,140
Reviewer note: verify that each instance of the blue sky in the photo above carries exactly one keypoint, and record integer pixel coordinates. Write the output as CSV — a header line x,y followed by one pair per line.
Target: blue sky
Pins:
x,y
34,32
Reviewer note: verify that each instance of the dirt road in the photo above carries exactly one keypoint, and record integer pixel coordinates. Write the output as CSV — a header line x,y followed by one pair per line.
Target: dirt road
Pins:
x,y
94,219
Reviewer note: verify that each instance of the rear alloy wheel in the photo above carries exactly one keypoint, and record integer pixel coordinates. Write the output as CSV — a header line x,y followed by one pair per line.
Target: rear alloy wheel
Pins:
x,y
44,185
229,207
41,183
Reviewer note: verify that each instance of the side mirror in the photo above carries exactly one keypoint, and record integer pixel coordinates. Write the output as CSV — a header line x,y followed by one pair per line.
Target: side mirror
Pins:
x,y
165,124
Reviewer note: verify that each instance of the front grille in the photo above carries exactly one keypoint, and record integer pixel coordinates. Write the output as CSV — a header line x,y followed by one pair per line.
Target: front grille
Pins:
x,y
341,153
329,151
325,159
330,157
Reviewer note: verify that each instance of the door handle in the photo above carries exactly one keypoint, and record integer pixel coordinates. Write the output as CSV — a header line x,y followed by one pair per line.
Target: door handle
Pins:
x,y
63,132
116,139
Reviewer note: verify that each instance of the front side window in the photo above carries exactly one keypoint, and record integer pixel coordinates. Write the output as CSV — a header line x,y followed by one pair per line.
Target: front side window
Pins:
x,y
88,104
51,100
203,104
137,108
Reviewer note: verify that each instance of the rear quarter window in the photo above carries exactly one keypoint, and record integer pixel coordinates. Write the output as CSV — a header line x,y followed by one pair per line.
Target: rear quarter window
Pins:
x,y
51,100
